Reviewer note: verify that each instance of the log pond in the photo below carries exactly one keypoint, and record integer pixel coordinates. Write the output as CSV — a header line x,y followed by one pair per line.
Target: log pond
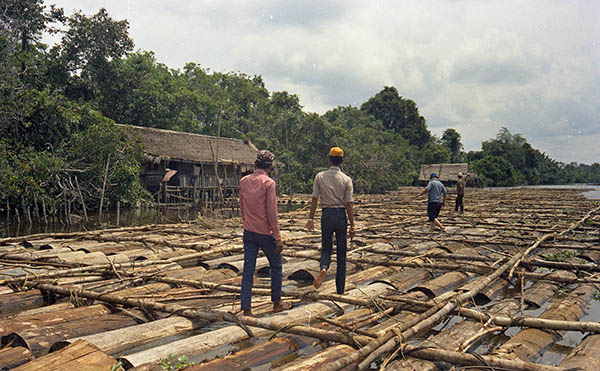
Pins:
x,y
511,284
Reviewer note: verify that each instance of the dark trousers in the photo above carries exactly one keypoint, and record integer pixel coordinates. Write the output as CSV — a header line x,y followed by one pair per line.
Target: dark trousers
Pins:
x,y
334,221
459,203
252,242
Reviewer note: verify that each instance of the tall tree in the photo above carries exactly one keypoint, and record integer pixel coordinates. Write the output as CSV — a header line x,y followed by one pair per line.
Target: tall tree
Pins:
x,y
398,114
89,45
451,140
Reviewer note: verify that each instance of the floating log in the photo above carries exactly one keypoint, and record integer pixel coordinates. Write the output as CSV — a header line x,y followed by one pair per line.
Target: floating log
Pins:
x,y
19,301
77,356
316,361
11,357
40,320
118,340
452,338
529,342
467,359
585,356
39,340
259,354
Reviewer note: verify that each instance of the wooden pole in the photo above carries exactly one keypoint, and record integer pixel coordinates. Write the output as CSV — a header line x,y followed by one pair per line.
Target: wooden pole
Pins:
x,y
85,215
103,188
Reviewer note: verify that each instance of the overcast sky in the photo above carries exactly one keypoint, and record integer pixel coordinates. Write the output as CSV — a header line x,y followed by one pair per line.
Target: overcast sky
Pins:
x,y
476,66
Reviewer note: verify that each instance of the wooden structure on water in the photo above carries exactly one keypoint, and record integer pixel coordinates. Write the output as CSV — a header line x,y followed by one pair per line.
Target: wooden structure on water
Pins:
x,y
447,173
415,301
184,167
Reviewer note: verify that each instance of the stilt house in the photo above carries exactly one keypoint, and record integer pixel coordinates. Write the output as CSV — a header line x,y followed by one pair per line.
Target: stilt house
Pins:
x,y
191,165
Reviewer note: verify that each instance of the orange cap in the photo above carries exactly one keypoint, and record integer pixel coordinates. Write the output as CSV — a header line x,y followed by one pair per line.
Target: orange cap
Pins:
x,y
336,151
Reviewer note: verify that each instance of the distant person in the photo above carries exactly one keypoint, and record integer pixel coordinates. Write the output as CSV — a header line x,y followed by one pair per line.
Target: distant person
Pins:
x,y
436,201
258,206
335,190
460,193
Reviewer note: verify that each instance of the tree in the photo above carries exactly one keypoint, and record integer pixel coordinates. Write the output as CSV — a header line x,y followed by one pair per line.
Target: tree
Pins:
x,y
399,115
451,140
88,46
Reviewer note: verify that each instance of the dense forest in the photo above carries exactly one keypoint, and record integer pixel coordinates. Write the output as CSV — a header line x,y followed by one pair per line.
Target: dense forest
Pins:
x,y
59,105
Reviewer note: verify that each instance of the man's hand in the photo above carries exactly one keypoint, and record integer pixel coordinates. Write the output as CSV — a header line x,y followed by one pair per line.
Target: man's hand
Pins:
x,y
278,246
351,233
310,225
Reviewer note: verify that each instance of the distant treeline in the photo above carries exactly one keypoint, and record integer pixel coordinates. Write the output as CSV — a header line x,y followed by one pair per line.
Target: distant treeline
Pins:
x,y
60,147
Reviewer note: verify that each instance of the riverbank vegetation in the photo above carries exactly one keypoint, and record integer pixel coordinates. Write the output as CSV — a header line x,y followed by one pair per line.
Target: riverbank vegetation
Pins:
x,y
59,105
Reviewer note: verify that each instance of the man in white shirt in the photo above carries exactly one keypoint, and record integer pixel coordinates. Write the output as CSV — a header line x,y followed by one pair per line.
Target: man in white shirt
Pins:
x,y
335,190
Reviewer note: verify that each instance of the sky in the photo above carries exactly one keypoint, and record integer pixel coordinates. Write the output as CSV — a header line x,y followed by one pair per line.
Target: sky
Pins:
x,y
475,66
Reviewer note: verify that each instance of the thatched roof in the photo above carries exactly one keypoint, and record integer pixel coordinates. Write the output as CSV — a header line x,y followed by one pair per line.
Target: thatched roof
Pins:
x,y
445,172
192,147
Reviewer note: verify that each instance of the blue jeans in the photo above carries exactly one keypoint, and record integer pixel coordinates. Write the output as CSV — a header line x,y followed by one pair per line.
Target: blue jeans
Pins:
x,y
252,241
334,220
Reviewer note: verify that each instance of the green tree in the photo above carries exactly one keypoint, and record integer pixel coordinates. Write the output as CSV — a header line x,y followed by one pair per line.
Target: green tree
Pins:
x,y
88,46
451,140
398,114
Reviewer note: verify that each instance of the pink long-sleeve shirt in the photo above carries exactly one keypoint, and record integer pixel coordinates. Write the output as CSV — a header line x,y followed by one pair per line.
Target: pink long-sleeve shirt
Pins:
x,y
258,204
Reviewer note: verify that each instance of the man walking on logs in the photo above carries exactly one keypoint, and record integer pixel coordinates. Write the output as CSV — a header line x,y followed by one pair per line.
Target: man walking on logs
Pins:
x,y
436,201
335,190
460,193
258,206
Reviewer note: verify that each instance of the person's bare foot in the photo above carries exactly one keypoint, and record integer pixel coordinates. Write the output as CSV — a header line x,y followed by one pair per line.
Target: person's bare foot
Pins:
x,y
319,279
248,313
280,306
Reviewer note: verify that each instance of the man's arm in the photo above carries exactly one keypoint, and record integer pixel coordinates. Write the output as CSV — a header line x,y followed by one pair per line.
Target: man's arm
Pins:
x,y
350,214
310,224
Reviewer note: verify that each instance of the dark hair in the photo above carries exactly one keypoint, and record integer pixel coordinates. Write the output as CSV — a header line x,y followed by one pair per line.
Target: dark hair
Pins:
x,y
336,160
262,164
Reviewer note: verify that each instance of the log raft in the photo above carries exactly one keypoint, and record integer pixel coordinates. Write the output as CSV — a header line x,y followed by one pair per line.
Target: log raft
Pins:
x,y
140,297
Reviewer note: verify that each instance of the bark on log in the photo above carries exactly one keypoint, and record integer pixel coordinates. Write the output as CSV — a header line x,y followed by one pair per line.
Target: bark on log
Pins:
x,y
259,354
11,357
116,341
586,356
76,356
529,342
317,361
39,340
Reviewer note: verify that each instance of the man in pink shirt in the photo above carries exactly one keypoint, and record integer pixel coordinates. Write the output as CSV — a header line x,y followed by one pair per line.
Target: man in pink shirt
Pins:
x,y
258,205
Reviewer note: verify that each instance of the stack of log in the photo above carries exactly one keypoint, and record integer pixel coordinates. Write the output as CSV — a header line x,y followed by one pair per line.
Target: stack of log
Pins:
x,y
508,280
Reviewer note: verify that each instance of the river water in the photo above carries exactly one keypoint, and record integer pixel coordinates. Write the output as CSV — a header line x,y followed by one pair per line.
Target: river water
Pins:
x,y
144,216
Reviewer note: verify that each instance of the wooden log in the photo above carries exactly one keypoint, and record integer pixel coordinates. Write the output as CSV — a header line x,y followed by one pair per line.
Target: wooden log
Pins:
x,y
529,342
119,340
39,340
389,341
14,356
453,338
316,361
77,356
39,320
280,321
259,354
585,356
16,302
467,359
